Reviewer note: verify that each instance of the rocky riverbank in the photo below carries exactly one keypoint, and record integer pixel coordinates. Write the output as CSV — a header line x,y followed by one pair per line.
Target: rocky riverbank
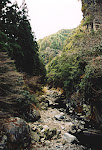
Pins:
x,y
56,130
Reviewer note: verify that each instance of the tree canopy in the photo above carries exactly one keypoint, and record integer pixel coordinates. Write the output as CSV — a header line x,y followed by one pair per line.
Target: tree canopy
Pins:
x,y
23,48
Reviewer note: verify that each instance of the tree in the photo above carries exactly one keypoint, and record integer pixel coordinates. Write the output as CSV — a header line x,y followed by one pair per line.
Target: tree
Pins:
x,y
3,4
24,48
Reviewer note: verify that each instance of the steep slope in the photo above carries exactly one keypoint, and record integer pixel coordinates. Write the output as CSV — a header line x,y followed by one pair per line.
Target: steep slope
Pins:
x,y
16,106
14,99
79,68
53,44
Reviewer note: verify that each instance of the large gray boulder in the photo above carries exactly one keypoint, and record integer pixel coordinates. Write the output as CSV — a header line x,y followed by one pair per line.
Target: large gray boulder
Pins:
x,y
15,134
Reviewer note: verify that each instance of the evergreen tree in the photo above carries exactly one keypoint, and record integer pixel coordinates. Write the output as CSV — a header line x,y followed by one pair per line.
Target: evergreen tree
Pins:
x,y
24,48
3,41
3,4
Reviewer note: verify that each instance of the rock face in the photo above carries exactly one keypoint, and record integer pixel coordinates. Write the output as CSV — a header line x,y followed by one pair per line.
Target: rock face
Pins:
x,y
15,134
93,9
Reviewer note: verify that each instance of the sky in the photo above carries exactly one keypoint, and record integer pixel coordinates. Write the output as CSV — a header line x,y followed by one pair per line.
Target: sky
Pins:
x,y
50,16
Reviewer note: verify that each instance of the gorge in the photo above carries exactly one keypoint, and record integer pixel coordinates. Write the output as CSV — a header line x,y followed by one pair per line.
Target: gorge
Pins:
x,y
59,107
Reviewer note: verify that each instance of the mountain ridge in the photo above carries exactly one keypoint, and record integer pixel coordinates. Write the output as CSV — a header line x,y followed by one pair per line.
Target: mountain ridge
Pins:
x,y
52,45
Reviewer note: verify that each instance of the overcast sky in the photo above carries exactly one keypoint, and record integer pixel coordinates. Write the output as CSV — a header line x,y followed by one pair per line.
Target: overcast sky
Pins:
x,y
50,16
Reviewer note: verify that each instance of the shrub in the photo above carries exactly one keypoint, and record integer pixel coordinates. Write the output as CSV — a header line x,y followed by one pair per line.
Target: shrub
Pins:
x,y
91,83
88,20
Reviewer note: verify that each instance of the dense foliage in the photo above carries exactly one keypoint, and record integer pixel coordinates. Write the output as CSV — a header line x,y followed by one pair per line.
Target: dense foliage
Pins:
x,y
21,43
53,44
79,68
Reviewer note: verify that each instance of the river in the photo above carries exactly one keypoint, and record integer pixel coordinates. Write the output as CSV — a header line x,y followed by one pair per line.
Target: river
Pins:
x,y
58,130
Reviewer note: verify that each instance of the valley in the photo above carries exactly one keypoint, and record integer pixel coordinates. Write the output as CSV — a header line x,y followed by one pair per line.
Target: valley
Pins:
x,y
51,89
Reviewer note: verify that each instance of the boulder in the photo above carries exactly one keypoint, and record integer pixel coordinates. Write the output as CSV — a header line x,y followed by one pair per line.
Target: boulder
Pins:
x,y
60,116
3,142
33,115
35,137
16,134
69,137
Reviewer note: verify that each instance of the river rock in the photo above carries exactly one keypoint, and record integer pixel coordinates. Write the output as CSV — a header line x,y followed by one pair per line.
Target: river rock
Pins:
x,y
16,134
69,137
49,133
87,110
60,116
35,137
33,115
50,103
45,127
3,142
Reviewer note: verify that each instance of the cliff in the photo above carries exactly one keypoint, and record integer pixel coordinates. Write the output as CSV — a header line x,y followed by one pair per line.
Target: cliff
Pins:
x,y
92,12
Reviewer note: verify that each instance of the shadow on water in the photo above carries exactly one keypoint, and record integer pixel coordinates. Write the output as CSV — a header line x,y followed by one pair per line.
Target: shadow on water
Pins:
x,y
91,140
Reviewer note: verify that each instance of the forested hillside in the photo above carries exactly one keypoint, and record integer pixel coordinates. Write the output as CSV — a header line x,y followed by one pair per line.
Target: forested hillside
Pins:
x,y
52,45
78,70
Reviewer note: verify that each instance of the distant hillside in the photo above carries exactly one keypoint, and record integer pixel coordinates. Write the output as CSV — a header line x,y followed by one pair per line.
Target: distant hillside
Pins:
x,y
51,45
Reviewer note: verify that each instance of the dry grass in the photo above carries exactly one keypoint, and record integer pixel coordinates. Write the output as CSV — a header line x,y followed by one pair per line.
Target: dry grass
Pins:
x,y
33,83
44,90
15,89
11,83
